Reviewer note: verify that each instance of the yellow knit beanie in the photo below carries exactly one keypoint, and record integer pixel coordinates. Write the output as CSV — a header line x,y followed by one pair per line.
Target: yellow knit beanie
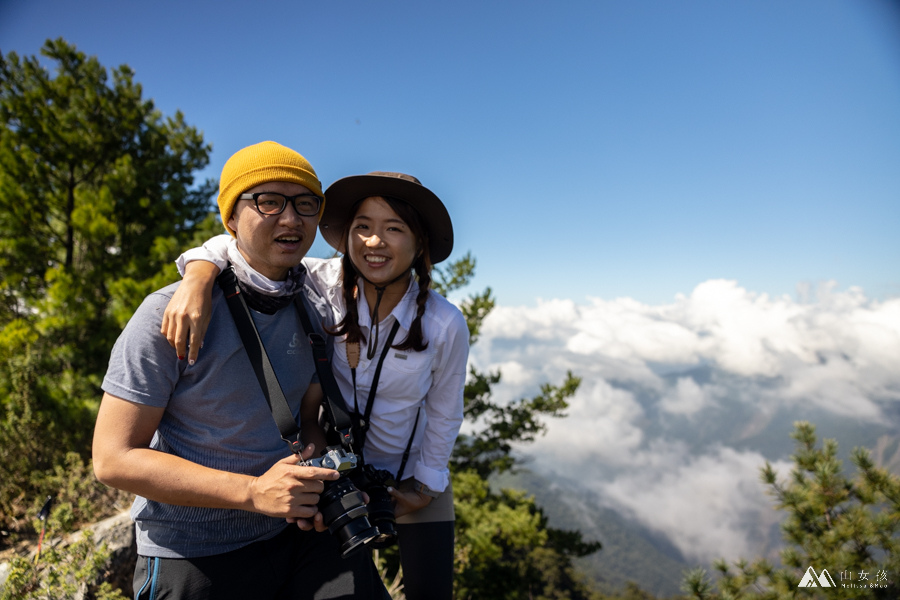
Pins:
x,y
262,163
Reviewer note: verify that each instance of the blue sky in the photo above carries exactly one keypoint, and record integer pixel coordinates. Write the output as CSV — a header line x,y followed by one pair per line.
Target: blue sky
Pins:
x,y
584,149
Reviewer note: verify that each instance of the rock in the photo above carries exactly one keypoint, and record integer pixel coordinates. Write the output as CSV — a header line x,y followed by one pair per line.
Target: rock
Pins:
x,y
4,573
118,533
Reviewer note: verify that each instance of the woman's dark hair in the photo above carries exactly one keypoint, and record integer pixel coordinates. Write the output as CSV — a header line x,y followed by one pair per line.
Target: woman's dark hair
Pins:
x,y
421,265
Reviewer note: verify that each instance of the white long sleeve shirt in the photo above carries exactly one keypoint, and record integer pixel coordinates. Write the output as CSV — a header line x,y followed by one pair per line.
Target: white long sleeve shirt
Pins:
x,y
432,379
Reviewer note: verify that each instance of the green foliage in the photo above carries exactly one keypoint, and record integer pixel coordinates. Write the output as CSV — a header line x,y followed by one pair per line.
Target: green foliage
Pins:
x,y
454,275
504,549
62,572
847,526
97,197
457,275
79,497
36,429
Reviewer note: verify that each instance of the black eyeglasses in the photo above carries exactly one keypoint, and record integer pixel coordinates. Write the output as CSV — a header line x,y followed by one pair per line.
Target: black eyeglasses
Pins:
x,y
273,203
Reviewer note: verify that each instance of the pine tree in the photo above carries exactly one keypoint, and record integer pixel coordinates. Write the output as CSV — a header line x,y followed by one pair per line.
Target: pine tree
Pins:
x,y
847,526
97,197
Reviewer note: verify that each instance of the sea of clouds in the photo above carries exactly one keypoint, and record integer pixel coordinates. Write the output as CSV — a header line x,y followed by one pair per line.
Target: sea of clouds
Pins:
x,y
672,396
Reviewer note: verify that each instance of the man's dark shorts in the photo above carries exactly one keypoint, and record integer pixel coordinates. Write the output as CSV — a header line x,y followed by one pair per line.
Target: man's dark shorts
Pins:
x,y
294,564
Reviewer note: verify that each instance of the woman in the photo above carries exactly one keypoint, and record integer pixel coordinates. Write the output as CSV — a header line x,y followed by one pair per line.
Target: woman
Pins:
x,y
390,230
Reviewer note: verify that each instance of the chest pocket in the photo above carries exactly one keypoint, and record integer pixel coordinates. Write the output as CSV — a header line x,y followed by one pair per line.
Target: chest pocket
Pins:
x,y
406,375
409,362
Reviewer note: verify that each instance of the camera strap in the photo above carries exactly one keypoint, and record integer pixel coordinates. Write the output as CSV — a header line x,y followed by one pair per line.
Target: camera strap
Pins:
x,y
363,423
259,359
335,415
265,373
409,445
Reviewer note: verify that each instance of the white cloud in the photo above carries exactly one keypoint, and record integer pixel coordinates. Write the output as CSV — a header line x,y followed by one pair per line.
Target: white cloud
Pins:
x,y
602,425
686,398
839,353
659,380
709,506
627,330
516,374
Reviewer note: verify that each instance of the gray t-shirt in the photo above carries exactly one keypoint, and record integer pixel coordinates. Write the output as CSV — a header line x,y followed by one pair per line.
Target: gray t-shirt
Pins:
x,y
216,414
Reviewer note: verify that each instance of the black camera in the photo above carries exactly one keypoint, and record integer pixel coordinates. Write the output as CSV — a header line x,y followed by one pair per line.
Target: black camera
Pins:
x,y
381,506
342,504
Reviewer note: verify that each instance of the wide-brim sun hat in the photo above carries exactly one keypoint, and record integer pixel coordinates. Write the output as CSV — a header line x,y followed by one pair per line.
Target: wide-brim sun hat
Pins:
x,y
344,193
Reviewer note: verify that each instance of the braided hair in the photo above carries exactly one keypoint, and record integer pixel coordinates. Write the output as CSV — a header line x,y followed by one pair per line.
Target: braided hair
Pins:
x,y
349,325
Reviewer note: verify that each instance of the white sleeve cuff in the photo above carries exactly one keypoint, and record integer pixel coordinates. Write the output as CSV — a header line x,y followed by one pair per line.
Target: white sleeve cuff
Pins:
x,y
434,479
203,253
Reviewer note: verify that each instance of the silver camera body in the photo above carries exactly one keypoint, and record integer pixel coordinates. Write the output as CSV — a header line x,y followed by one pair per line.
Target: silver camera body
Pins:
x,y
342,505
335,458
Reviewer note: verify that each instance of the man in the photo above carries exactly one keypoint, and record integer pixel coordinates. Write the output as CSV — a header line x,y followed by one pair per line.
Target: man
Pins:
x,y
217,488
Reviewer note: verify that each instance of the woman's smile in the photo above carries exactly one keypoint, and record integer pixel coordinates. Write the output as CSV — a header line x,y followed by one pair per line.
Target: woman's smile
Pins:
x,y
381,244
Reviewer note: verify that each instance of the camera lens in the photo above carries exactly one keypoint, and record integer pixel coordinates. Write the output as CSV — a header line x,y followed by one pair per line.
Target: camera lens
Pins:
x,y
381,514
346,516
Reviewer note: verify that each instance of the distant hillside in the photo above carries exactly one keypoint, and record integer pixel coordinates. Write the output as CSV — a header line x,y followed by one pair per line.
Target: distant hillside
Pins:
x,y
630,552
